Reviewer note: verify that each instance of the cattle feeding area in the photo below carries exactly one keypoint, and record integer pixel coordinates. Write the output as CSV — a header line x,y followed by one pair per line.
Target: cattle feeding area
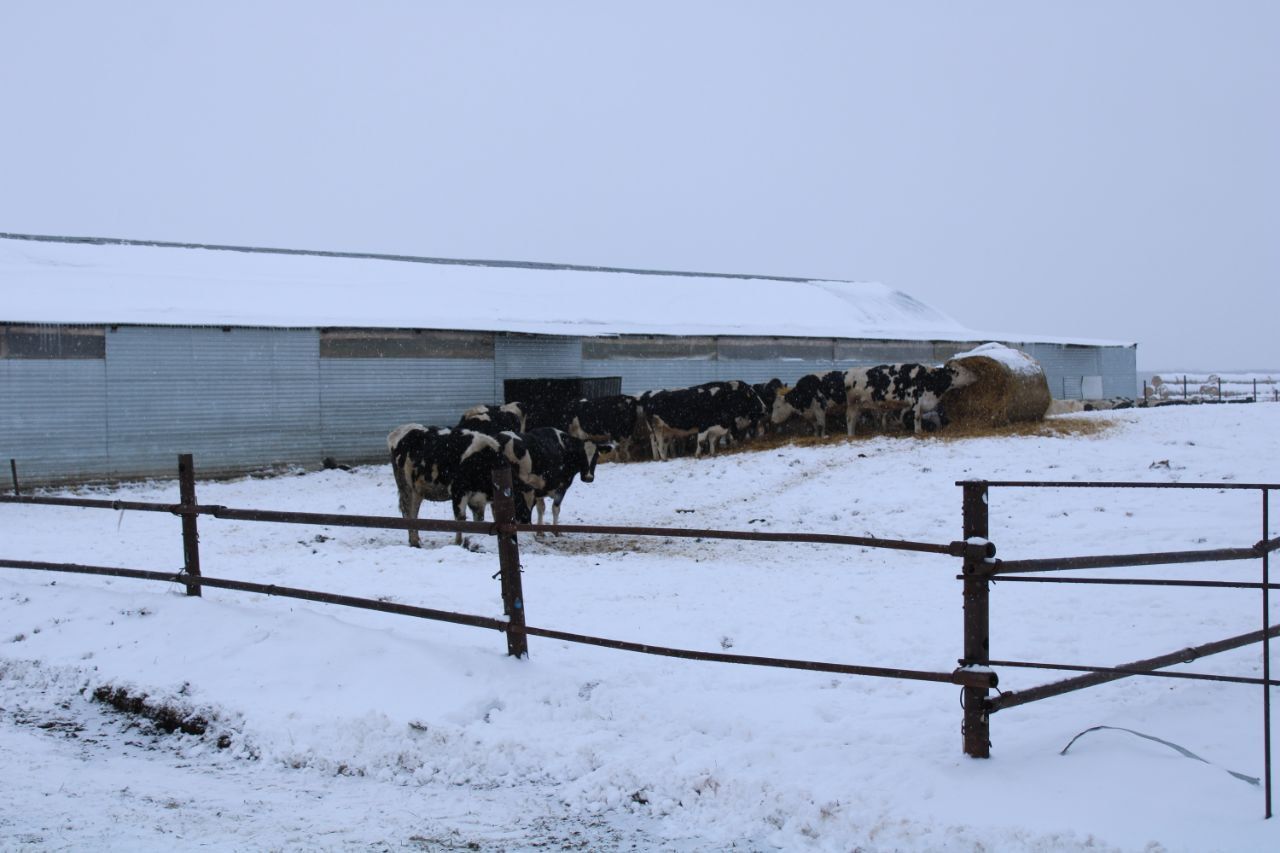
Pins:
x,y
331,728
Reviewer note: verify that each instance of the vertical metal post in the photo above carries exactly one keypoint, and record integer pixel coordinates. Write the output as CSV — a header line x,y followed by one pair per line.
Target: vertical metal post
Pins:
x,y
1219,389
504,517
1184,387
190,531
1266,648
13,471
976,729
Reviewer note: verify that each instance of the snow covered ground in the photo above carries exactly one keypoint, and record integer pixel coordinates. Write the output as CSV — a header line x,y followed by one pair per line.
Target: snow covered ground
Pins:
x,y
351,730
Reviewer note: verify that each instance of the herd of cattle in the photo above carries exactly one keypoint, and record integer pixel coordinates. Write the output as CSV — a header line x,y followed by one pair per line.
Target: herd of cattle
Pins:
x,y
548,447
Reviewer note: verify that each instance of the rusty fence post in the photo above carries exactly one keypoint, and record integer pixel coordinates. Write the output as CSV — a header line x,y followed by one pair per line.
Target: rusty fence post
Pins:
x,y
976,728
190,532
504,518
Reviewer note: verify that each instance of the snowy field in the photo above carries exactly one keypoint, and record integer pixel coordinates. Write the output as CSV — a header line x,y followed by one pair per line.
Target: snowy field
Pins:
x,y
350,730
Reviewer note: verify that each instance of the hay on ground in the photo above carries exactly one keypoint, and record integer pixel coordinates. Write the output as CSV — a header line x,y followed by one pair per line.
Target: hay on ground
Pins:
x,y
1008,390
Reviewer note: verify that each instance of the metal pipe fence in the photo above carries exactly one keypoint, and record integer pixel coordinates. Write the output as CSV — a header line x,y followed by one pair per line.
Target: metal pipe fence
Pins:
x,y
981,575
980,567
506,529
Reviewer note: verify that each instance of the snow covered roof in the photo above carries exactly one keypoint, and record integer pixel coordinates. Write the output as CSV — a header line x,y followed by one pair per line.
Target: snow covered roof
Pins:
x,y
103,281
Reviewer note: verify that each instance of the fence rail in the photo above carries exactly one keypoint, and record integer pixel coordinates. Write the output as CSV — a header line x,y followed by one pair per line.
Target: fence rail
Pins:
x,y
505,528
981,574
975,673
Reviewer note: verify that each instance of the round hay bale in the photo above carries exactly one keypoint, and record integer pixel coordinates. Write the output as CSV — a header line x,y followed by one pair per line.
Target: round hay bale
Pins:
x,y
1011,388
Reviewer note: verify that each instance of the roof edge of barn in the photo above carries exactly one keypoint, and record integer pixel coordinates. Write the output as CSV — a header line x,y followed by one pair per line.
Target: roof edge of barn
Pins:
x,y
380,256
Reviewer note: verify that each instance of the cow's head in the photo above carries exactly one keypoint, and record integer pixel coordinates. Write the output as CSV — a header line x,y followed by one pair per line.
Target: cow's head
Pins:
x,y
948,378
591,453
780,408
517,410
961,375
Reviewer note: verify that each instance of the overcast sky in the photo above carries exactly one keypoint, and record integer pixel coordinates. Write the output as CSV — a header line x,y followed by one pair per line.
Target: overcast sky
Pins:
x,y
1104,169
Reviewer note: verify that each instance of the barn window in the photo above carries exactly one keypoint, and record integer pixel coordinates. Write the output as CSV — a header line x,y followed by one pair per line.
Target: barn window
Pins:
x,y
648,346
885,351
50,340
404,343
772,349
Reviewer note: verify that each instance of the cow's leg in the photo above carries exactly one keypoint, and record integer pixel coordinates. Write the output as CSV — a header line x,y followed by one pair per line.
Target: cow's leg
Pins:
x,y
819,421
459,514
655,442
712,436
409,506
557,497
851,413
705,435
541,506
402,490
918,426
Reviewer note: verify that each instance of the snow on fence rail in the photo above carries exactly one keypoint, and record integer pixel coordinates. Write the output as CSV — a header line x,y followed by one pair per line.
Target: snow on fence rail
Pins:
x,y
980,567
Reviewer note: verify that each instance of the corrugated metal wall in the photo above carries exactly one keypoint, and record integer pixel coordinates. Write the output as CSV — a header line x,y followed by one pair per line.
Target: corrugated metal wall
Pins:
x,y
53,419
364,399
1075,370
236,398
1120,372
648,363
533,357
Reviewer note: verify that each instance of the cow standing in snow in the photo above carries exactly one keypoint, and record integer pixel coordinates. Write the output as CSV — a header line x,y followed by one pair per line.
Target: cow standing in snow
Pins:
x,y
607,420
546,461
709,411
904,390
805,399
441,464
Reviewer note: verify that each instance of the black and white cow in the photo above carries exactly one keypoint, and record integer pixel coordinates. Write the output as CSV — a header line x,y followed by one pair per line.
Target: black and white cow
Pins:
x,y
605,419
441,464
742,404
804,399
709,412
910,391
833,390
768,392
492,420
546,461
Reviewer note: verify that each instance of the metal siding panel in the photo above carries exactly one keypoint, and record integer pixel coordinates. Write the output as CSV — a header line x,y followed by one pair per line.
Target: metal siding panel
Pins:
x,y
534,357
53,421
1065,366
756,371
236,399
1120,372
364,399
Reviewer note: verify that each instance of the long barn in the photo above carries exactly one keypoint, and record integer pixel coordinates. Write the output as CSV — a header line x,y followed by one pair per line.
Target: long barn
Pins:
x,y
116,355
